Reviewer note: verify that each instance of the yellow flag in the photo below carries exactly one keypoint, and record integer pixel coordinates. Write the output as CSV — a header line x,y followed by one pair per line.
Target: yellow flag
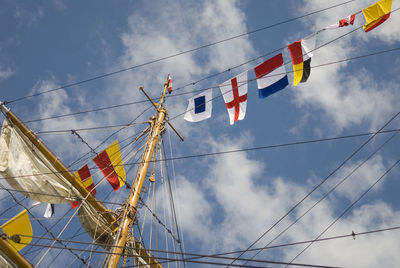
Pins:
x,y
19,225
376,14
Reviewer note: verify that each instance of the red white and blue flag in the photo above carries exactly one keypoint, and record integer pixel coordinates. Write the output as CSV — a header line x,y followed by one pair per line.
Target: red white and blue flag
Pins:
x,y
271,76
234,92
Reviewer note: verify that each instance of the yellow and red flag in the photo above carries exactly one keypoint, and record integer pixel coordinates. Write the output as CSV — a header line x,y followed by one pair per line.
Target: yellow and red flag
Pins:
x,y
83,174
19,229
376,14
110,163
301,52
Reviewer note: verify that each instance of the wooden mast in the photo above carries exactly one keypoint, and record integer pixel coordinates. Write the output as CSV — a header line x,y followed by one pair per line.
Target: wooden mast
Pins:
x,y
158,126
13,255
5,247
133,198
131,204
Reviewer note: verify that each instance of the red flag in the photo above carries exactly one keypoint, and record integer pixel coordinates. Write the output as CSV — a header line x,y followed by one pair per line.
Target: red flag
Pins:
x,y
83,174
347,21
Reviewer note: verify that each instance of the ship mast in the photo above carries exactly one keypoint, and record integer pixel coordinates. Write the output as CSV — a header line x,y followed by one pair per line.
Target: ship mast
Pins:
x,y
10,253
129,214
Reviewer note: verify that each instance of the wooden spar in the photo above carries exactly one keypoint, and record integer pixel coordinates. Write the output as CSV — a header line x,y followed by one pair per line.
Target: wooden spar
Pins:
x,y
133,198
60,167
13,255
8,250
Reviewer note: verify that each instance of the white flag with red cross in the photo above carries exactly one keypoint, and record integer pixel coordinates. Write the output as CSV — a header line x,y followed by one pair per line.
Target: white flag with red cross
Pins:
x,y
234,92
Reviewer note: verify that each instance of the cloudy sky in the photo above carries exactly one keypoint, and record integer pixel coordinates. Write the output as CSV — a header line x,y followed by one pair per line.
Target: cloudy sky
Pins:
x,y
225,202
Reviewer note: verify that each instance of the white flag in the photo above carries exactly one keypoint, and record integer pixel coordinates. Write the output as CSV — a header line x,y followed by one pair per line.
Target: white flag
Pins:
x,y
199,107
49,211
35,203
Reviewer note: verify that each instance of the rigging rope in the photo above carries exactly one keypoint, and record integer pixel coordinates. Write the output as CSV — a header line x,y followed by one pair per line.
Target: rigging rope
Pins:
x,y
234,151
32,215
322,182
214,86
177,54
172,204
108,137
347,209
177,193
221,255
329,192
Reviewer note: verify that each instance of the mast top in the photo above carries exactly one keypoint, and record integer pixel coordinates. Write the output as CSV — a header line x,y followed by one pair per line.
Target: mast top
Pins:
x,y
158,105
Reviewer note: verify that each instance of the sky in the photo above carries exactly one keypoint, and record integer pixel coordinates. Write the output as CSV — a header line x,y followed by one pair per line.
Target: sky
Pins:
x,y
224,202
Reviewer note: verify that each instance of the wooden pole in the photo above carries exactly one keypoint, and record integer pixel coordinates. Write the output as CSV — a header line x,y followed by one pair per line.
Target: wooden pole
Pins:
x,y
133,198
60,167
13,255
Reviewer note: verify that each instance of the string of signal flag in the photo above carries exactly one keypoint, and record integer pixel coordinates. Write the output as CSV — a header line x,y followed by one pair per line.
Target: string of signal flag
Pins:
x,y
271,75
234,92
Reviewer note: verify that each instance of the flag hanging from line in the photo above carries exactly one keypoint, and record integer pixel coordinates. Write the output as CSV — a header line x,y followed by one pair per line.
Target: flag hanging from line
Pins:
x,y
199,107
301,53
110,163
376,14
49,211
349,20
21,226
83,175
234,92
271,76
169,84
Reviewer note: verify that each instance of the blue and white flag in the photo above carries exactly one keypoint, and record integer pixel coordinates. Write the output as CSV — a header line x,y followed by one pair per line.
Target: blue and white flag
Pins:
x,y
271,76
199,107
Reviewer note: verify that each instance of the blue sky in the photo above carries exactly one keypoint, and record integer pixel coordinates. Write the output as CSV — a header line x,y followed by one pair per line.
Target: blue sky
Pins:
x,y
225,202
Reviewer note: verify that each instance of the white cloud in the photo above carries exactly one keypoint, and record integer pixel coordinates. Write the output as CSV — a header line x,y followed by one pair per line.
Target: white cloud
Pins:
x,y
374,250
238,204
348,99
28,15
5,72
194,207
50,105
363,178
59,4
152,35
236,201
